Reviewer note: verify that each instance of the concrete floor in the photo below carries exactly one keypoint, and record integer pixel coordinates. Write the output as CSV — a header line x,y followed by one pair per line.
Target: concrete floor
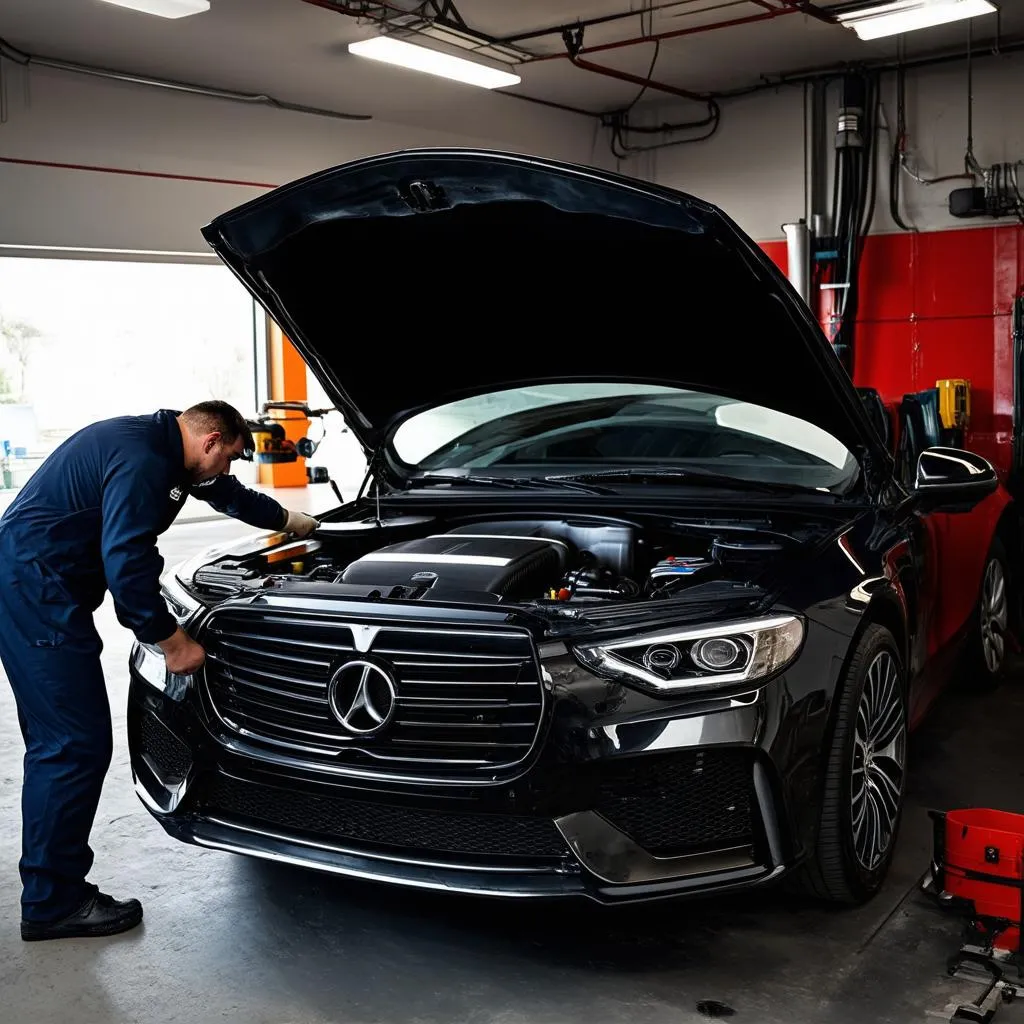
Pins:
x,y
227,938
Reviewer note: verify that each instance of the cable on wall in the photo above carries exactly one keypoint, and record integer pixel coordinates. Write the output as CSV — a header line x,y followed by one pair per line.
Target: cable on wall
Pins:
x,y
21,57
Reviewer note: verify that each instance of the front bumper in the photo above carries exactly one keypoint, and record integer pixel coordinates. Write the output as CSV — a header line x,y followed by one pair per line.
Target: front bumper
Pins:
x,y
650,800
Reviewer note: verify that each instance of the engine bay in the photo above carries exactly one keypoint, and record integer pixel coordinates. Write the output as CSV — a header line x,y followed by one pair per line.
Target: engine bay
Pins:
x,y
515,560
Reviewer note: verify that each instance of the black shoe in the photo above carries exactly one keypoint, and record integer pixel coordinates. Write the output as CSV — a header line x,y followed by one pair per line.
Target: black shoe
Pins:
x,y
99,915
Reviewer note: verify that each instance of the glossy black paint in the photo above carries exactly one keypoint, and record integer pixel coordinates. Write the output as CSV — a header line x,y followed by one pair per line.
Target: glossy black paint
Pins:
x,y
500,218
951,478
855,563
621,795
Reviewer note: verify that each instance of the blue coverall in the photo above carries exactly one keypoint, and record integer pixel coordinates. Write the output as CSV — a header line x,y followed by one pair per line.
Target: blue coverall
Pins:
x,y
87,522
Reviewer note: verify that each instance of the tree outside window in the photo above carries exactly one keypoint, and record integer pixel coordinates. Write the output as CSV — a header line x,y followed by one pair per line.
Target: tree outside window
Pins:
x,y
20,339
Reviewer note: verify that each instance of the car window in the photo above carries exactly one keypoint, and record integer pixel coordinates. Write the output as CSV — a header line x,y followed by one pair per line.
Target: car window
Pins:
x,y
586,426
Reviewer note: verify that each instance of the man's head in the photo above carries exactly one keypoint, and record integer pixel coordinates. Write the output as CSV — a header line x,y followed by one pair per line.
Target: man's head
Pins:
x,y
214,434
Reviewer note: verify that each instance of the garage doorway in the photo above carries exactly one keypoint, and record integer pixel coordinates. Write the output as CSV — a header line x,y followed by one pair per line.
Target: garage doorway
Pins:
x,y
82,339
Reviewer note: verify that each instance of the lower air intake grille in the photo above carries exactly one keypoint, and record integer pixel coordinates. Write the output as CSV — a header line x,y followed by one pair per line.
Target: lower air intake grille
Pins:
x,y
170,756
387,825
686,803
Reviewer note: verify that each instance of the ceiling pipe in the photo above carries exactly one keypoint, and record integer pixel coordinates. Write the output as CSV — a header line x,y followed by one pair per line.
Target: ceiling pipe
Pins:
x,y
769,12
604,19
359,10
748,19
625,76
572,35
805,7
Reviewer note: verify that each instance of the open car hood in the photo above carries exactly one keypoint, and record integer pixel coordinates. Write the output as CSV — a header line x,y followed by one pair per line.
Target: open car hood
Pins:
x,y
414,278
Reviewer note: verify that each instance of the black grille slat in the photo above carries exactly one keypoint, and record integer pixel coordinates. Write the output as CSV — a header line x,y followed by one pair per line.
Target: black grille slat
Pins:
x,y
504,726
481,704
395,826
273,642
287,695
314,665
461,745
465,694
234,668
688,802
305,713
477,661
298,733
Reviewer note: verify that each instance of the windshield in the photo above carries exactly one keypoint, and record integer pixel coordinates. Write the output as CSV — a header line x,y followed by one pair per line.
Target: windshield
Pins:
x,y
588,427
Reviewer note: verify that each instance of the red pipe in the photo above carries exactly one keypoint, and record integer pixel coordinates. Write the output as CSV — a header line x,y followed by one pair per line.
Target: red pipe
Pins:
x,y
807,7
625,76
140,174
341,8
772,12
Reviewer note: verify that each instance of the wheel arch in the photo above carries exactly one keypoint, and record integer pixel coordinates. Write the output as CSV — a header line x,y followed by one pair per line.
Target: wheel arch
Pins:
x,y
1010,531
884,610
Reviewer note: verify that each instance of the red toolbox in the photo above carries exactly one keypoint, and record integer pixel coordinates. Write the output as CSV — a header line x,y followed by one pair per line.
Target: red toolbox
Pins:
x,y
978,866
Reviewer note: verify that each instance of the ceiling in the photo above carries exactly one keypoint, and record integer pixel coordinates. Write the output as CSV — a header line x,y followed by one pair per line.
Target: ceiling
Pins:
x,y
295,50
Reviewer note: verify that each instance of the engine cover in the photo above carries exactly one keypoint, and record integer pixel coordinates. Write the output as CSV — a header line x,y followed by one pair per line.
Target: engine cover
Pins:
x,y
503,566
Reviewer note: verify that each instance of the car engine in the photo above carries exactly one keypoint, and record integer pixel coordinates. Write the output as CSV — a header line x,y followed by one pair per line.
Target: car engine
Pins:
x,y
514,561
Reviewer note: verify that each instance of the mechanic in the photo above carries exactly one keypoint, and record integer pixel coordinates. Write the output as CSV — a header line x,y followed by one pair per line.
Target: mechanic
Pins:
x,y
87,522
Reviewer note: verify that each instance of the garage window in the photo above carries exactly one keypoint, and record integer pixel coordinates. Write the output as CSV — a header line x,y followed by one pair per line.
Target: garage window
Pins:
x,y
86,339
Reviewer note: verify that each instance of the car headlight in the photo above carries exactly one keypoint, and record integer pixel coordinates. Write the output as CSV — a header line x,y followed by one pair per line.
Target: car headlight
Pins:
x,y
180,603
148,660
698,659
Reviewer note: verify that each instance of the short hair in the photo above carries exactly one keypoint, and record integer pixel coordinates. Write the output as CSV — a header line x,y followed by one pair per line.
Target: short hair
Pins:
x,y
217,416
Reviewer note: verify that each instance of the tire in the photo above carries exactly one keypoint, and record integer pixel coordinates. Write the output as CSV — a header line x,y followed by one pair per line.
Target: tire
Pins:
x,y
988,647
850,861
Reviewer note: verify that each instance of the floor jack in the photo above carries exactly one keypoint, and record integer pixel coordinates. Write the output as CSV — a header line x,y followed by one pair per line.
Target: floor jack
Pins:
x,y
977,873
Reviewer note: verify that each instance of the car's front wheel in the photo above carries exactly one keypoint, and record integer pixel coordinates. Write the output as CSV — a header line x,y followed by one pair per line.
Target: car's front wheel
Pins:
x,y
865,777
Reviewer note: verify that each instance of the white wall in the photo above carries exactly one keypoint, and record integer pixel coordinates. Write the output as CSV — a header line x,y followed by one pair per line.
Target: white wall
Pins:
x,y
937,126
66,118
753,166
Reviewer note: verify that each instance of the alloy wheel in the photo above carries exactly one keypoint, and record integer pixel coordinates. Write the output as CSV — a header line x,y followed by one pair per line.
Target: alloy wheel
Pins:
x,y
994,615
879,761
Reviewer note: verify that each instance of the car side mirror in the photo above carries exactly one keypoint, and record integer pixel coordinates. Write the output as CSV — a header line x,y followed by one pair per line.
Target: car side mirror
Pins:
x,y
952,480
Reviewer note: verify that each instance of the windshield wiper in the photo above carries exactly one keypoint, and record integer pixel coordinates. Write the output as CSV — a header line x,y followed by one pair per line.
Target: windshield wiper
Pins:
x,y
690,476
513,483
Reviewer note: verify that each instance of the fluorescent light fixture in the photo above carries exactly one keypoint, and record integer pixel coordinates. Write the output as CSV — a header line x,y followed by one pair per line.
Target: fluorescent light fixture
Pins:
x,y
432,62
898,16
164,8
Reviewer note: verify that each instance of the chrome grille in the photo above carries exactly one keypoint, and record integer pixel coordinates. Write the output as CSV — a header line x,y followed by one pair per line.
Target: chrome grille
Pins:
x,y
469,699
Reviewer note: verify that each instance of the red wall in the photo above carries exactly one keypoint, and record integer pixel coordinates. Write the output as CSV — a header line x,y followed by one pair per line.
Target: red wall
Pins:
x,y
936,305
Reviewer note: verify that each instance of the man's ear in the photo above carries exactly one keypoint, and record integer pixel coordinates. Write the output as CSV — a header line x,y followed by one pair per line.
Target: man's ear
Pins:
x,y
210,441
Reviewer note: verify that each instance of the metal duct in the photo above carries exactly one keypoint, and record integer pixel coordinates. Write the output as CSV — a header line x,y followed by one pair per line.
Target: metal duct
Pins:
x,y
798,251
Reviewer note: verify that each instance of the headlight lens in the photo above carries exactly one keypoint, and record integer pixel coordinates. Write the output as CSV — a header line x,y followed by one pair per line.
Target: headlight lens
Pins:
x,y
700,658
148,660
181,604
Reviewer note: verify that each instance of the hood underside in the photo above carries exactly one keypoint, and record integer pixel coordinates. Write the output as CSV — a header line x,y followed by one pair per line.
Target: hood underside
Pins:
x,y
415,278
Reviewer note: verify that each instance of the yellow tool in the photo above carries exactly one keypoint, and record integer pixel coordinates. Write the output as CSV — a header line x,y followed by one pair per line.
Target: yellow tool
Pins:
x,y
954,403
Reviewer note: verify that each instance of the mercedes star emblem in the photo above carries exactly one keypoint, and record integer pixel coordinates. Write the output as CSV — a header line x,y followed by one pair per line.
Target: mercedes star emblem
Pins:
x,y
362,697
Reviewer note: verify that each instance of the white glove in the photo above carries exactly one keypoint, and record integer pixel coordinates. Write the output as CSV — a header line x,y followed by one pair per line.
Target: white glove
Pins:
x,y
300,524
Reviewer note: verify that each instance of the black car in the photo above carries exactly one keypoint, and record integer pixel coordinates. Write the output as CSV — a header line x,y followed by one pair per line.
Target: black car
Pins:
x,y
631,604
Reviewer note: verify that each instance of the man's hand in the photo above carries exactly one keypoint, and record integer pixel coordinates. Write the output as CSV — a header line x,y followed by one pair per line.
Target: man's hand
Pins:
x,y
182,654
300,524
